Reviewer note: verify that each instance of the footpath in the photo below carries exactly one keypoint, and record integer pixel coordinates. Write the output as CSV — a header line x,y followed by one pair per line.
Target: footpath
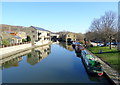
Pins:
x,y
8,51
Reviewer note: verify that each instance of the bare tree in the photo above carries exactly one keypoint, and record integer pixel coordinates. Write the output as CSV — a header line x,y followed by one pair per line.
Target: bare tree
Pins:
x,y
104,28
80,36
108,23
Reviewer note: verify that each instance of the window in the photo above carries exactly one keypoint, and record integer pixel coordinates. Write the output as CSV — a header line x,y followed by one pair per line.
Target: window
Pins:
x,y
39,38
48,34
74,35
39,33
33,36
68,35
32,31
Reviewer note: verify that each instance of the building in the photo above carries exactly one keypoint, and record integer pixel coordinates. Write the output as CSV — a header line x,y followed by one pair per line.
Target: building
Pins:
x,y
68,36
23,35
10,38
38,34
54,36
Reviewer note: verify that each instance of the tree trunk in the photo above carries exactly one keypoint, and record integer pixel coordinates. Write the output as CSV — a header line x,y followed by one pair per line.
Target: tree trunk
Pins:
x,y
110,41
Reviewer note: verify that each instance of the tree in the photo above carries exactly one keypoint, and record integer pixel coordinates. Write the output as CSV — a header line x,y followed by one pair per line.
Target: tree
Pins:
x,y
103,28
79,36
108,26
28,38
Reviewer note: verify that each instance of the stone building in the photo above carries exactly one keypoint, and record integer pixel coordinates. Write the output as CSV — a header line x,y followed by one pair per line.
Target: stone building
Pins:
x,y
69,36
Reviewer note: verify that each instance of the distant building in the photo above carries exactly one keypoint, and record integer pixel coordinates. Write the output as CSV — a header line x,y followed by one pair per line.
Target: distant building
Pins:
x,y
54,36
69,36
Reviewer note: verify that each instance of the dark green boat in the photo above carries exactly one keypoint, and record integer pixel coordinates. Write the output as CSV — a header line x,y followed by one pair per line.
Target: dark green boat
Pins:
x,y
91,64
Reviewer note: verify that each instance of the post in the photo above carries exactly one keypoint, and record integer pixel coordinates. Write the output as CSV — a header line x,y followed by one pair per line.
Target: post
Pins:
x,y
110,41
85,41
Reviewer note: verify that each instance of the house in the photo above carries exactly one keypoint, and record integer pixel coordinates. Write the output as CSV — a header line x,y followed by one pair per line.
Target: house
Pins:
x,y
10,37
68,36
23,35
16,39
38,34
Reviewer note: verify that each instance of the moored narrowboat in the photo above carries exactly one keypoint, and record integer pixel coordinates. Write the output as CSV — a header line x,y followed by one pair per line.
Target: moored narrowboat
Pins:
x,y
78,48
91,64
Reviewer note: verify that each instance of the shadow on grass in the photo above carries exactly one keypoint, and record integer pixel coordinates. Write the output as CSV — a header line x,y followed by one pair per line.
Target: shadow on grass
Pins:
x,y
108,52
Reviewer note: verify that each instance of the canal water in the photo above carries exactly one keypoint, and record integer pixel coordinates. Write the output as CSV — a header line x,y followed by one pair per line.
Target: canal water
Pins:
x,y
56,63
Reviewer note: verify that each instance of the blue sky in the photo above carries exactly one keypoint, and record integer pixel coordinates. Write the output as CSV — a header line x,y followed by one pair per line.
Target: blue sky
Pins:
x,y
55,16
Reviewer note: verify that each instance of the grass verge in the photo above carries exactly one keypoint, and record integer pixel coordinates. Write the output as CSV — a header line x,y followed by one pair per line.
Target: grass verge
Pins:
x,y
110,56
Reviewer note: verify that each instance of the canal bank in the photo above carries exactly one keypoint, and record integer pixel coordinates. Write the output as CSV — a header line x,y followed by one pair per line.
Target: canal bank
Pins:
x,y
111,74
9,51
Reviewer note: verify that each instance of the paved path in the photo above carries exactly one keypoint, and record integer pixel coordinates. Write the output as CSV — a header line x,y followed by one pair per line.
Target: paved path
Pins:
x,y
8,51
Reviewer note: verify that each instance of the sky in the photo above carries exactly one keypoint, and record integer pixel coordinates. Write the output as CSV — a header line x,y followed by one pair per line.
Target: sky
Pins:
x,y
55,16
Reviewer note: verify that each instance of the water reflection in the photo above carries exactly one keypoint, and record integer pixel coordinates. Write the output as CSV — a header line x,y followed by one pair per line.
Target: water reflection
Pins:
x,y
69,47
37,54
12,63
66,46
33,57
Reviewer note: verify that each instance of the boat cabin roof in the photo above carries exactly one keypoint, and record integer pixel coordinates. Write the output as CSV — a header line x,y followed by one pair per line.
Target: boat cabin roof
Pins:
x,y
85,52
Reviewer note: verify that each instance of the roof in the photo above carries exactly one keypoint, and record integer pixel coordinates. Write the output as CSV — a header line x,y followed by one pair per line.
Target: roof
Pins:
x,y
9,32
17,37
38,28
6,35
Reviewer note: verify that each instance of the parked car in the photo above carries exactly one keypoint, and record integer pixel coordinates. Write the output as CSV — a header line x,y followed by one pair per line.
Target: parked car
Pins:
x,y
100,44
112,43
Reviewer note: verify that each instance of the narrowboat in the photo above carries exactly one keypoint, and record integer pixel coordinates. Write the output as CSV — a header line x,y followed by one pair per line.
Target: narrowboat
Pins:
x,y
91,64
78,48
74,44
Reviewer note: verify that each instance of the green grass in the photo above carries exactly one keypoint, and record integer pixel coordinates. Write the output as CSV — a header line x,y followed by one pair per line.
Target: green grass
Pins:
x,y
111,56
104,49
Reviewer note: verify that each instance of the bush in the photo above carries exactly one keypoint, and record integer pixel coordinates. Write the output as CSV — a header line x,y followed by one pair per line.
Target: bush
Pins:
x,y
24,40
5,42
28,38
